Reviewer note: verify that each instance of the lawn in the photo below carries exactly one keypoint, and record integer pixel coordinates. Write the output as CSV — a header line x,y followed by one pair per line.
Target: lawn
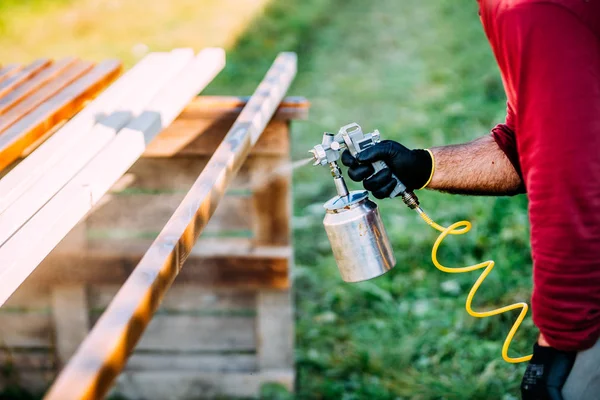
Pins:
x,y
422,73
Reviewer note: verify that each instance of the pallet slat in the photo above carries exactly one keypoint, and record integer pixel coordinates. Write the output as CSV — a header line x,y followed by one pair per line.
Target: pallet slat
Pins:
x,y
193,385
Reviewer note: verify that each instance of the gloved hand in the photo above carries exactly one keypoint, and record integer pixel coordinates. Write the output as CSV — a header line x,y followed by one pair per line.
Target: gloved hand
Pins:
x,y
413,167
546,373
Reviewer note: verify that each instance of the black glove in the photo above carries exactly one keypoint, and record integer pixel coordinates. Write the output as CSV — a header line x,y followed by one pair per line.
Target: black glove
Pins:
x,y
546,373
412,167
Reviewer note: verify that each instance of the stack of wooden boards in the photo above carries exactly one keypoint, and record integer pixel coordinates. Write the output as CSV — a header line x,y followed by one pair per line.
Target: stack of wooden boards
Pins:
x,y
228,327
36,97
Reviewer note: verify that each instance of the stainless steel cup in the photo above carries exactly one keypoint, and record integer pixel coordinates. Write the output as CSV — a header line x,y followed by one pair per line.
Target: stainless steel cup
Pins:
x,y
358,238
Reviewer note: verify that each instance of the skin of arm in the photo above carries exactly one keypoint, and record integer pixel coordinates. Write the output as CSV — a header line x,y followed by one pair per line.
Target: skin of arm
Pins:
x,y
478,167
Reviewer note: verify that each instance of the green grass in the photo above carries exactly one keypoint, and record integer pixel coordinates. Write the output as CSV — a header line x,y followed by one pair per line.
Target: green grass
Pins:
x,y
422,73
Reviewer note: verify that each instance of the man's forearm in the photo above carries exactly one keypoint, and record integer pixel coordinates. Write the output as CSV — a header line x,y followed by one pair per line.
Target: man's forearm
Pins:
x,y
479,167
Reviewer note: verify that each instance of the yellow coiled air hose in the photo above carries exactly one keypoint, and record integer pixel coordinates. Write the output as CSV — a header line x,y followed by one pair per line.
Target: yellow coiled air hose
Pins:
x,y
460,228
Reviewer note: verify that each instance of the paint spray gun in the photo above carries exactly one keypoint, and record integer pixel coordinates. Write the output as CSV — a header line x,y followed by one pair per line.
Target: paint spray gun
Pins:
x,y
356,233
358,238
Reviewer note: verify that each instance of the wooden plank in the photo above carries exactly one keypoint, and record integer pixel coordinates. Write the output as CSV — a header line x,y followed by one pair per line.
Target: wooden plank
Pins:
x,y
71,321
275,330
131,105
9,70
291,107
159,385
174,361
23,75
104,352
171,362
44,158
271,200
9,100
184,297
63,105
25,330
23,360
191,333
22,110
200,137
141,213
21,254
160,175
251,272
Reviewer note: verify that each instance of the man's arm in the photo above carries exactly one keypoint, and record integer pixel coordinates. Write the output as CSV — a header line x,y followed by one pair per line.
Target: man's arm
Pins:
x,y
479,167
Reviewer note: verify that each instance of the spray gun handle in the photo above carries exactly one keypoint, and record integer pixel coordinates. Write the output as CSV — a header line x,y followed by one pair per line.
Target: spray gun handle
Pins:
x,y
399,189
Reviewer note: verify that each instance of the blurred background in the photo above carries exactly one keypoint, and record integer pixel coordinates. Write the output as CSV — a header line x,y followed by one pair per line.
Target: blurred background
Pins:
x,y
419,71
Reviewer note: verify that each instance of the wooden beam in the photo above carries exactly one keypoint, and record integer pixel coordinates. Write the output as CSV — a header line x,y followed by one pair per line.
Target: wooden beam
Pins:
x,y
21,254
259,269
202,125
33,68
21,92
150,81
103,354
9,70
44,93
60,106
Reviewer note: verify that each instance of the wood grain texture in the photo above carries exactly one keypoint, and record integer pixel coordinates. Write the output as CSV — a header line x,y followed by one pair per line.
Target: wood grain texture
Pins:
x,y
60,106
9,100
24,74
104,352
43,93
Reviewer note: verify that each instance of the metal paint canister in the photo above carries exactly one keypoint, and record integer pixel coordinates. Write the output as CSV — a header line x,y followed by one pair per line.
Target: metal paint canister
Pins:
x,y
358,238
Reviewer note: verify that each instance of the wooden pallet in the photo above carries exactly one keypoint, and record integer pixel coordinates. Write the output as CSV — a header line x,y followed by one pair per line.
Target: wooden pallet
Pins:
x,y
226,325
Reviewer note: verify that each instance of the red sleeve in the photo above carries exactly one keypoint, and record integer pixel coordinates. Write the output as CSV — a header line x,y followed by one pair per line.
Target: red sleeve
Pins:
x,y
504,136
550,61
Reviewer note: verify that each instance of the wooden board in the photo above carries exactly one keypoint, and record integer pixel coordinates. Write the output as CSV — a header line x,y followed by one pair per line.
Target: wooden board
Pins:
x,y
186,361
25,330
65,103
161,385
43,93
71,319
23,75
142,215
9,100
224,271
183,298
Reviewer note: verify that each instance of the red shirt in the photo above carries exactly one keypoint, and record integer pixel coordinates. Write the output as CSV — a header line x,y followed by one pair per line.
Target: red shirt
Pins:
x,y
548,52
